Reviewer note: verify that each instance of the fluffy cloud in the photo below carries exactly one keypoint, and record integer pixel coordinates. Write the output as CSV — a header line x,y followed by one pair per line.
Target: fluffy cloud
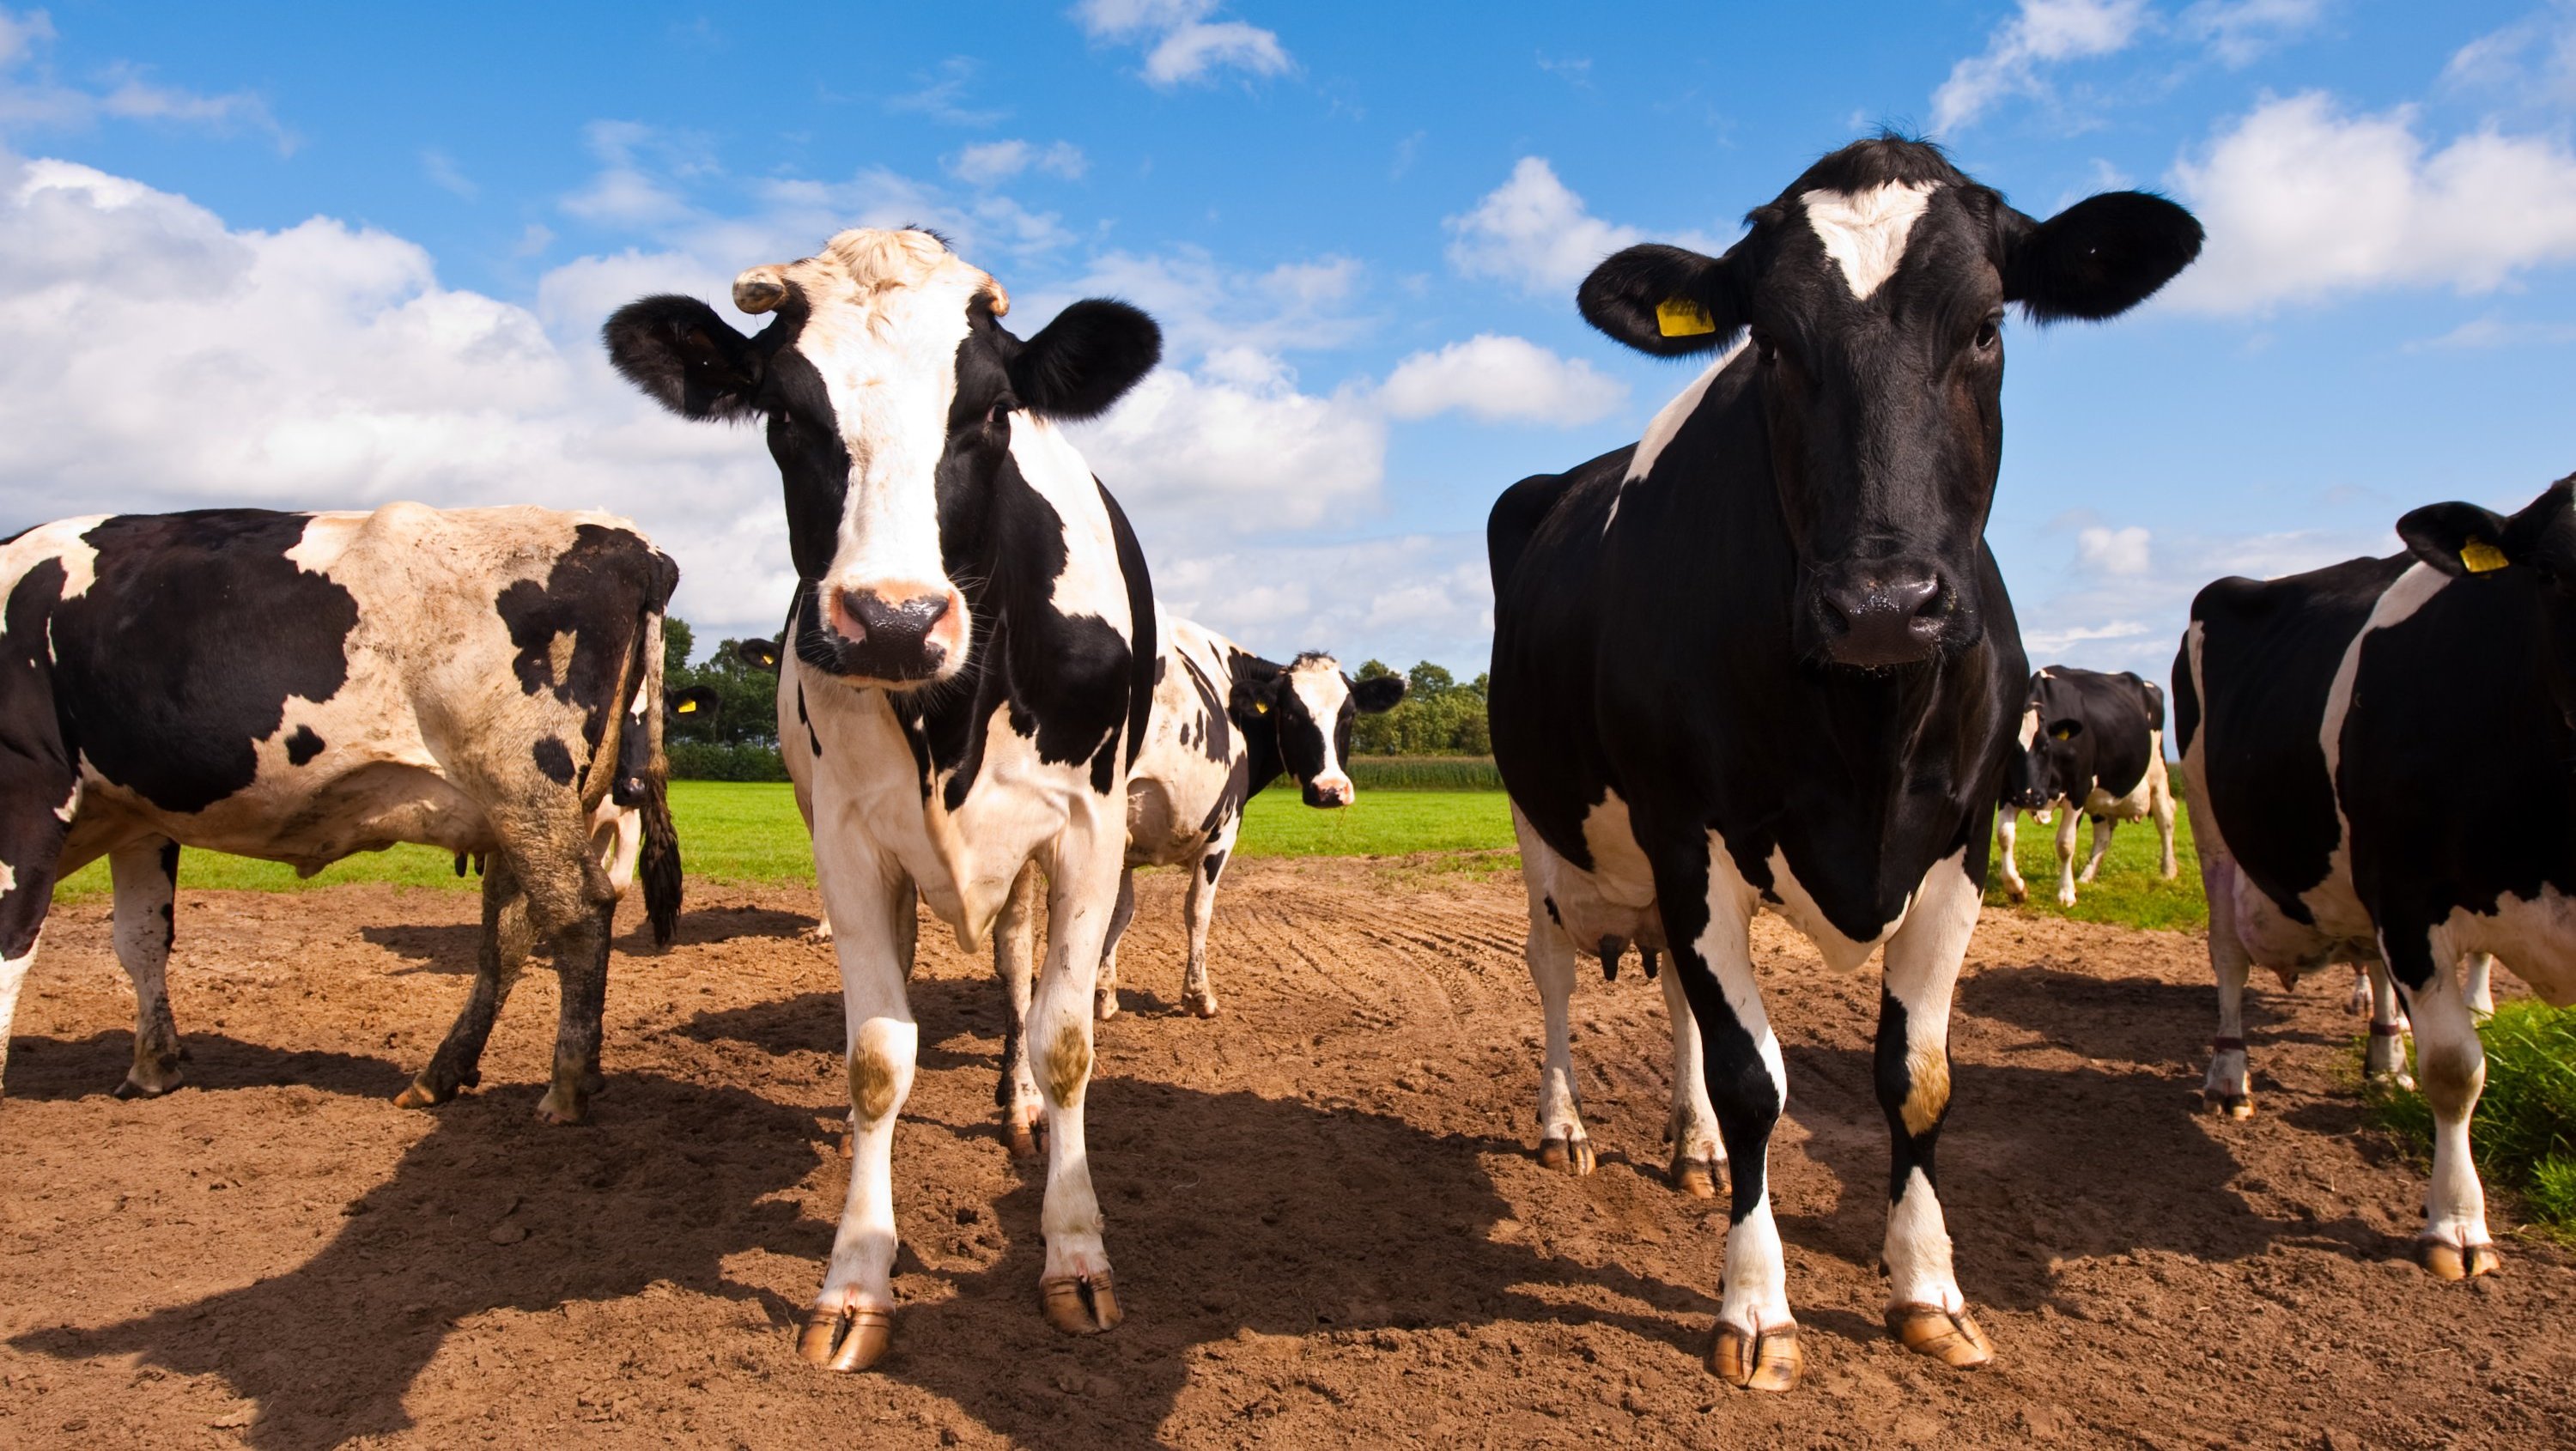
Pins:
x,y
1234,447
2303,202
31,97
992,161
2113,551
1500,379
2042,33
2532,61
1181,43
1415,597
2238,32
1534,232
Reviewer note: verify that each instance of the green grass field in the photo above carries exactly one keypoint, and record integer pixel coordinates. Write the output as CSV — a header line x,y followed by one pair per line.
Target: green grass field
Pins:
x,y
2127,891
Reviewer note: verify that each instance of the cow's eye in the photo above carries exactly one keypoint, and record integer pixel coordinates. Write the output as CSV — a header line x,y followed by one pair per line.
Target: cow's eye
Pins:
x,y
1000,410
1990,332
1765,346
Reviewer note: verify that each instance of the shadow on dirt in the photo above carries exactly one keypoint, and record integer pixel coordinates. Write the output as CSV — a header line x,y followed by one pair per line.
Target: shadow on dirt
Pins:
x,y
58,1069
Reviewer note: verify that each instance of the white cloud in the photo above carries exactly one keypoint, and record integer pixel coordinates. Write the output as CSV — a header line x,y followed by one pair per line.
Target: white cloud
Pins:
x,y
2043,645
1402,599
991,161
1235,447
443,173
2496,332
2043,33
631,190
1182,43
1534,232
31,97
1500,379
1205,306
2113,551
2238,32
942,96
2532,61
2303,202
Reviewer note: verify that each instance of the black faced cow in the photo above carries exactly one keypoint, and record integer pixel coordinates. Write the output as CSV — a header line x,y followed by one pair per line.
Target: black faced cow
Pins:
x,y
2093,745
2376,755
1763,660
973,644
301,687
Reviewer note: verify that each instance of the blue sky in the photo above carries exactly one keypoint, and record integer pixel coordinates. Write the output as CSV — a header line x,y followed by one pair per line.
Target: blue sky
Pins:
x,y
324,256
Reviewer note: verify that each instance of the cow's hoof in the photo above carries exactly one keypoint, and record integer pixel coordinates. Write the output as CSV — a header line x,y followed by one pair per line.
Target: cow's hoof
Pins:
x,y
151,1086
1104,1004
1571,1154
1768,1361
562,1109
2448,1261
422,1094
2018,894
1695,1177
1201,1005
2066,899
1947,1336
2230,1105
1025,1136
2397,1078
845,1339
1080,1304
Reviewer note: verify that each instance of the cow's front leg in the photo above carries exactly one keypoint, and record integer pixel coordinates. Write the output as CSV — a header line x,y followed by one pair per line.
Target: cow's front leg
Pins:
x,y
2066,825
1105,991
852,1320
2228,1086
2453,1066
1074,1286
2477,984
2384,1058
1697,1146
2101,848
500,957
37,801
2007,826
1198,995
146,874
1925,1310
1015,963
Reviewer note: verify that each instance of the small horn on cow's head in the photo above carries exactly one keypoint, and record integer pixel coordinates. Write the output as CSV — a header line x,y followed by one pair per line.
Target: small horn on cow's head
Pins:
x,y
1001,299
759,290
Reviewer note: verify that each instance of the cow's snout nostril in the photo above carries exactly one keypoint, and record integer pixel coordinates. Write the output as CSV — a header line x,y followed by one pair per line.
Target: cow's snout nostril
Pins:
x,y
888,639
1885,619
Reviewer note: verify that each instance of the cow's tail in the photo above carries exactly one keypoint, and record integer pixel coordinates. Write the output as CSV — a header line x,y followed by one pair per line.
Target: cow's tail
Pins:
x,y
657,861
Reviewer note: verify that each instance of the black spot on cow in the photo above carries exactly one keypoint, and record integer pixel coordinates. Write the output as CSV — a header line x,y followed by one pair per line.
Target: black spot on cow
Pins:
x,y
1550,904
602,564
1216,728
554,759
302,746
1214,864
158,694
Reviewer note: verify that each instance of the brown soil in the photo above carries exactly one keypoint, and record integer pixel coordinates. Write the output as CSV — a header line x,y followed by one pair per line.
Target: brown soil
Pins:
x,y
1327,1222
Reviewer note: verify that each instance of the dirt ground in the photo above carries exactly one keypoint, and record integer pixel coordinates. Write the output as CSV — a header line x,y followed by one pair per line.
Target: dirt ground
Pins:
x,y
1327,1222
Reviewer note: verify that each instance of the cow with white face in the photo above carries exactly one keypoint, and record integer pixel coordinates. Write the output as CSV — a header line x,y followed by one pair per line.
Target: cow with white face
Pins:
x,y
973,640
2094,745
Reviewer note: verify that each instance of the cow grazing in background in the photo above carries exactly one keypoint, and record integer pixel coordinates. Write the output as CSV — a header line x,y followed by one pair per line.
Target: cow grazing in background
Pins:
x,y
301,687
2095,744
1763,659
2376,755
973,649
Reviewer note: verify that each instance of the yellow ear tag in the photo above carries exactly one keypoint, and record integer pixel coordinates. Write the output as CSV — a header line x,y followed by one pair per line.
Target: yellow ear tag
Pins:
x,y
2479,557
1679,317
2061,734
1261,707
688,707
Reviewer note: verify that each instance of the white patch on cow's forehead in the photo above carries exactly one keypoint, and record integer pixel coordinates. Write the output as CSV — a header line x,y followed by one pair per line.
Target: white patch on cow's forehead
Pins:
x,y
2030,725
1866,231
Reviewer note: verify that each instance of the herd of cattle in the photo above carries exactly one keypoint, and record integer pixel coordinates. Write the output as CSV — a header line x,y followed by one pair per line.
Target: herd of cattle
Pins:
x,y
1760,660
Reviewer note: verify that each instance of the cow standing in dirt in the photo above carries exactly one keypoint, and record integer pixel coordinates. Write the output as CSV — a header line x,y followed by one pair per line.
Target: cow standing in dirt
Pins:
x,y
301,687
973,647
1763,659
2092,745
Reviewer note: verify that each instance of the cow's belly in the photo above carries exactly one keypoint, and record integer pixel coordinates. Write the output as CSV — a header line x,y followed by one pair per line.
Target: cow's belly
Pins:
x,y
1614,900
1162,831
2534,936
1790,900
304,822
2273,940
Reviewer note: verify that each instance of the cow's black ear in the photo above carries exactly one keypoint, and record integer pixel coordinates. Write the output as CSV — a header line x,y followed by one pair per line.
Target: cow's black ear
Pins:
x,y
758,654
1377,695
2066,730
1086,359
2098,258
684,357
2456,538
1663,300
698,702
1254,693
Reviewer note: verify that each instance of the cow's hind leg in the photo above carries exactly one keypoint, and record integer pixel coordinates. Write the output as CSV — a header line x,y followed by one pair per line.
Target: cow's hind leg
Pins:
x,y
1074,1286
1925,1310
571,909
2453,1066
2228,1085
1697,1147
2008,826
1197,993
1105,992
146,875
2356,1002
31,849
2101,848
499,958
2066,825
2383,1058
1015,963
1562,1143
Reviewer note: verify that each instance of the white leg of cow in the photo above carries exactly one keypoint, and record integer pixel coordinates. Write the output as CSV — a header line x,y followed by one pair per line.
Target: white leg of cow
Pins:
x,y
1925,1310
145,874
1562,1143
2101,848
2477,987
2384,1056
2356,1003
2007,822
1105,992
1015,935
1755,1343
852,1320
1697,1147
1074,1285
2227,1087
2453,1066
2066,856
1197,993
32,832
2160,806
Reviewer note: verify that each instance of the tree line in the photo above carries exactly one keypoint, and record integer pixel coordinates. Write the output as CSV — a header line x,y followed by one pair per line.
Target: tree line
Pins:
x,y
1440,715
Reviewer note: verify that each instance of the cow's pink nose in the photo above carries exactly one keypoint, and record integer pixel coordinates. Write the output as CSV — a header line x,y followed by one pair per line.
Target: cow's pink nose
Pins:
x,y
886,638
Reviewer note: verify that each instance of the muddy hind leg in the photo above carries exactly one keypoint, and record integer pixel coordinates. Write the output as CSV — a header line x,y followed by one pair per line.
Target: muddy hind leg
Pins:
x,y
146,874
507,937
1015,963
2384,1058
1198,994
1104,995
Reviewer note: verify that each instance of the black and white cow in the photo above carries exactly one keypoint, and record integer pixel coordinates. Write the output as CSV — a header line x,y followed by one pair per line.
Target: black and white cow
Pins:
x,y
973,641
1226,724
1763,660
2377,758
301,687
2092,745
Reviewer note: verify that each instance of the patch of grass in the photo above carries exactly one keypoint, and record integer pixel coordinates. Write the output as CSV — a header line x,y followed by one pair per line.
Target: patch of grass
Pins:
x,y
2524,1134
1425,773
1382,823
2128,892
